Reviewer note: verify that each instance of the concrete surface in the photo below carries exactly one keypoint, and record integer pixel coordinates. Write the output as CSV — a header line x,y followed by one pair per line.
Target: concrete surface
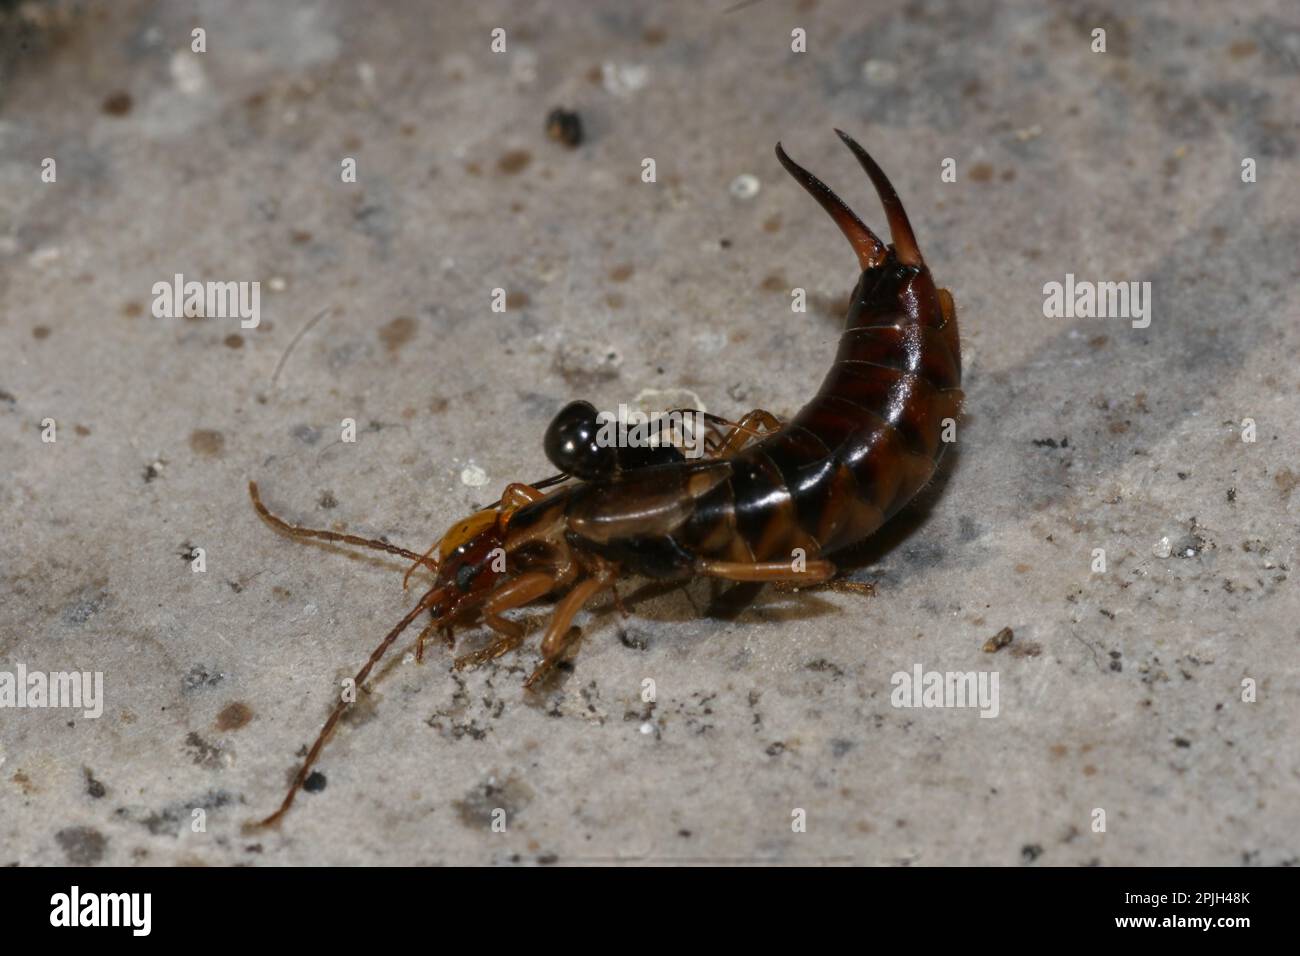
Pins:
x,y
1121,691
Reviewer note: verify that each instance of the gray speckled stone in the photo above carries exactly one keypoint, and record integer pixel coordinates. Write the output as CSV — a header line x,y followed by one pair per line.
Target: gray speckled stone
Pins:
x,y
1121,690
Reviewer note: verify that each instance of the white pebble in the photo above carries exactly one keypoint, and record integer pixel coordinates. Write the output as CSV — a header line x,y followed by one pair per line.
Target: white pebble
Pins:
x,y
745,186
473,476
880,72
623,79
187,72
1162,548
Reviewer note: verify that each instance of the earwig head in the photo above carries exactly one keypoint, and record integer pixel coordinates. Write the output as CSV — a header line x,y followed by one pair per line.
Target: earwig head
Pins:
x,y
571,444
470,559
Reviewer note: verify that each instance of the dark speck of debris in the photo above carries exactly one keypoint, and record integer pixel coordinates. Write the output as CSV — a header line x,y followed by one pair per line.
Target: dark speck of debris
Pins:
x,y
840,747
93,787
477,809
1030,852
170,819
564,126
83,846
315,782
823,666
999,640
327,500
1232,494
632,641
200,676
546,859
90,602
234,716
207,442
776,749
117,104
514,161
201,752
1184,475
306,434
153,470
1182,742
1052,442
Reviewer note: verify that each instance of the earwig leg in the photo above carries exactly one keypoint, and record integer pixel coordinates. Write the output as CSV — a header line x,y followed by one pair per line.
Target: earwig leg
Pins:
x,y
426,601
298,532
815,572
423,559
746,429
419,641
618,603
861,588
557,638
516,593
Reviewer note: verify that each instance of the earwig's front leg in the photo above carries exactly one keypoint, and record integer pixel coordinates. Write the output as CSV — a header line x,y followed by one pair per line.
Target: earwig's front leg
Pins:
x,y
556,640
522,590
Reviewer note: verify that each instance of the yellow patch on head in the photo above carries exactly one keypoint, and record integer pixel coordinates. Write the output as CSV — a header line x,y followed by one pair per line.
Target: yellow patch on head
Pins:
x,y
465,530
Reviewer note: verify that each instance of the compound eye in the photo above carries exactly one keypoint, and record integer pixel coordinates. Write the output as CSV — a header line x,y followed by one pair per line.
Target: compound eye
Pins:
x,y
571,443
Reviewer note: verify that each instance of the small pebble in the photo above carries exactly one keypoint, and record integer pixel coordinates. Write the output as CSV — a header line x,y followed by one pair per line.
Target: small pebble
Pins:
x,y
473,476
745,186
879,72
999,640
1162,548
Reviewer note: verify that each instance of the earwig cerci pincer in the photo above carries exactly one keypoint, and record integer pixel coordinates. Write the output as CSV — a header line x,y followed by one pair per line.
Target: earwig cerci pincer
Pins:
x,y
766,490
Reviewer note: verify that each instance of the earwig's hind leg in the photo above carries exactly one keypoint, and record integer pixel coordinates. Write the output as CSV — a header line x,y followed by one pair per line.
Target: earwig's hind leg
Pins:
x,y
557,639
516,593
815,571
321,535
745,430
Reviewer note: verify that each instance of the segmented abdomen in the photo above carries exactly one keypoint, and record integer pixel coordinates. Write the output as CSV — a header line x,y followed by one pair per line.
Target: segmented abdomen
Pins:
x,y
861,449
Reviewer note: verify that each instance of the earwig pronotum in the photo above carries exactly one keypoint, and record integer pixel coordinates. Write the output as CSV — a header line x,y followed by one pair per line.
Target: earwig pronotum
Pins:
x,y
767,490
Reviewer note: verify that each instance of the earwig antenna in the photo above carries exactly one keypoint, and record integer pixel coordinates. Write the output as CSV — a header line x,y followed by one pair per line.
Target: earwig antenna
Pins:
x,y
360,678
298,532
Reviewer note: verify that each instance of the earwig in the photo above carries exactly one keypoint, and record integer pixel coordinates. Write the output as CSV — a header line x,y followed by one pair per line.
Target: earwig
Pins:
x,y
768,502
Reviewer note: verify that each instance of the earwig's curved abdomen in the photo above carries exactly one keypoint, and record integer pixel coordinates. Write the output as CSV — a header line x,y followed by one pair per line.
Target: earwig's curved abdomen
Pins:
x,y
880,412
851,458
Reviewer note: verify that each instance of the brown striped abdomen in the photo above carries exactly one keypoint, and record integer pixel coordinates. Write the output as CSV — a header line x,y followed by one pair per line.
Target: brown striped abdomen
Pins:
x,y
866,443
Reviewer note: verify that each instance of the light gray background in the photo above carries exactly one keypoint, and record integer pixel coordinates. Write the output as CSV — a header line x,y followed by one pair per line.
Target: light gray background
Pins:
x,y
1120,691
